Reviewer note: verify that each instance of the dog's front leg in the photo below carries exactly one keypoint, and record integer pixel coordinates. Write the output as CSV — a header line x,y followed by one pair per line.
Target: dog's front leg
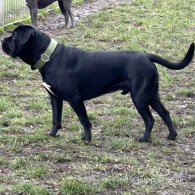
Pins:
x,y
34,13
79,107
57,105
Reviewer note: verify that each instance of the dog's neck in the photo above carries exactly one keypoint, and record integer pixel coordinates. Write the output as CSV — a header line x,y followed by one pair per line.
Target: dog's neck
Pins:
x,y
32,54
45,57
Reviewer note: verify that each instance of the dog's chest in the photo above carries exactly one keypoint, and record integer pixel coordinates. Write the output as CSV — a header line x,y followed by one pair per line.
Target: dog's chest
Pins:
x,y
49,89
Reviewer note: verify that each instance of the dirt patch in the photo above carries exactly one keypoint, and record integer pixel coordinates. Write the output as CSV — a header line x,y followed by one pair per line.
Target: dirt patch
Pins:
x,y
54,23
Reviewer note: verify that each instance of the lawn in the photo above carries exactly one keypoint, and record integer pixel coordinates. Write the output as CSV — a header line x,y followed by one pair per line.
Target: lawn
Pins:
x,y
115,162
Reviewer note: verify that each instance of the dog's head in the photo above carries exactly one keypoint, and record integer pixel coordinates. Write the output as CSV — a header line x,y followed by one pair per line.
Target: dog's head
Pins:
x,y
26,42
19,40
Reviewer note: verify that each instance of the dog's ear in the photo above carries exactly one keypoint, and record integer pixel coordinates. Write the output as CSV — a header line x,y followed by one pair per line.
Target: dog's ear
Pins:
x,y
28,32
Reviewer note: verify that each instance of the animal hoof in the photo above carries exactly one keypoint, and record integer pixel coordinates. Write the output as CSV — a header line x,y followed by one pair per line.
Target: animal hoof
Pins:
x,y
172,136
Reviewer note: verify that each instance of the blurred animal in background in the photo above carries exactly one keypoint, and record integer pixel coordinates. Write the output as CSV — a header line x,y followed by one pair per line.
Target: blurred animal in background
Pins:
x,y
65,7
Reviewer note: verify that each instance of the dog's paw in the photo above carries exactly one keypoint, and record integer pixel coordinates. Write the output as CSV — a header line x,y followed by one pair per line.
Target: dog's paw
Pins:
x,y
86,138
53,134
144,140
172,136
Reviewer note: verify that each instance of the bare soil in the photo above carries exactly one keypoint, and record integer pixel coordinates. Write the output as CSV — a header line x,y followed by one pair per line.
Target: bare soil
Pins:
x,y
56,25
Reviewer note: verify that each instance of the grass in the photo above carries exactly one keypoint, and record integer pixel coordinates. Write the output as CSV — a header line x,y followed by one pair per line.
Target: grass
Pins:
x,y
75,186
115,162
30,188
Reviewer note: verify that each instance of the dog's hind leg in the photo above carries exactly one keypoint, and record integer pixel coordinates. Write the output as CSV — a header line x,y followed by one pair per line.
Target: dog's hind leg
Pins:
x,y
146,115
157,105
79,107
65,7
141,95
61,5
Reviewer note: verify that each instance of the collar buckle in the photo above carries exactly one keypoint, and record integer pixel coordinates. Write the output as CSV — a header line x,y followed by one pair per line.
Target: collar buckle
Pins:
x,y
44,57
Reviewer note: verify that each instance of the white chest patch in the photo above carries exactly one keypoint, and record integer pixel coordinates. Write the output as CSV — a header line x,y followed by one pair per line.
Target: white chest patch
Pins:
x,y
48,88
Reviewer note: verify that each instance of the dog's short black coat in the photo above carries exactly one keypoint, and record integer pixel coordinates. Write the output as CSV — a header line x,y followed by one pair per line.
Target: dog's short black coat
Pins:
x,y
76,75
65,7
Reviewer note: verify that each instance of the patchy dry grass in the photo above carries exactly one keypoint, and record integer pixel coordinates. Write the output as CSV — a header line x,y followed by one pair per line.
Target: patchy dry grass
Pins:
x,y
114,163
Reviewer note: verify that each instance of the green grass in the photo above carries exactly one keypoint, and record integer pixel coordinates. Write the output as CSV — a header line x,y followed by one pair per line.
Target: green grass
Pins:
x,y
115,162
75,186
30,188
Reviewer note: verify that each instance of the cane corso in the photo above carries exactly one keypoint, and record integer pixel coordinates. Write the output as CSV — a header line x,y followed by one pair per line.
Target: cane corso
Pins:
x,y
76,75
65,7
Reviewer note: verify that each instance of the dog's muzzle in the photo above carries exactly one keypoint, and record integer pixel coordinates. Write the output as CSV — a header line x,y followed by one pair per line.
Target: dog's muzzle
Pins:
x,y
7,47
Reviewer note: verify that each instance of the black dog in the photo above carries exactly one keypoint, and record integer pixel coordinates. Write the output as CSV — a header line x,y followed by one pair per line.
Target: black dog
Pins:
x,y
65,7
75,75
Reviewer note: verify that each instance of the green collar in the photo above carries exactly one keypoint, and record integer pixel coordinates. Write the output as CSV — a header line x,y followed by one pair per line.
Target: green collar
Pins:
x,y
45,57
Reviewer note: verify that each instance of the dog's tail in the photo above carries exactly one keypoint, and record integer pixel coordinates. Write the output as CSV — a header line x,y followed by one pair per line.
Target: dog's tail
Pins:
x,y
174,66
